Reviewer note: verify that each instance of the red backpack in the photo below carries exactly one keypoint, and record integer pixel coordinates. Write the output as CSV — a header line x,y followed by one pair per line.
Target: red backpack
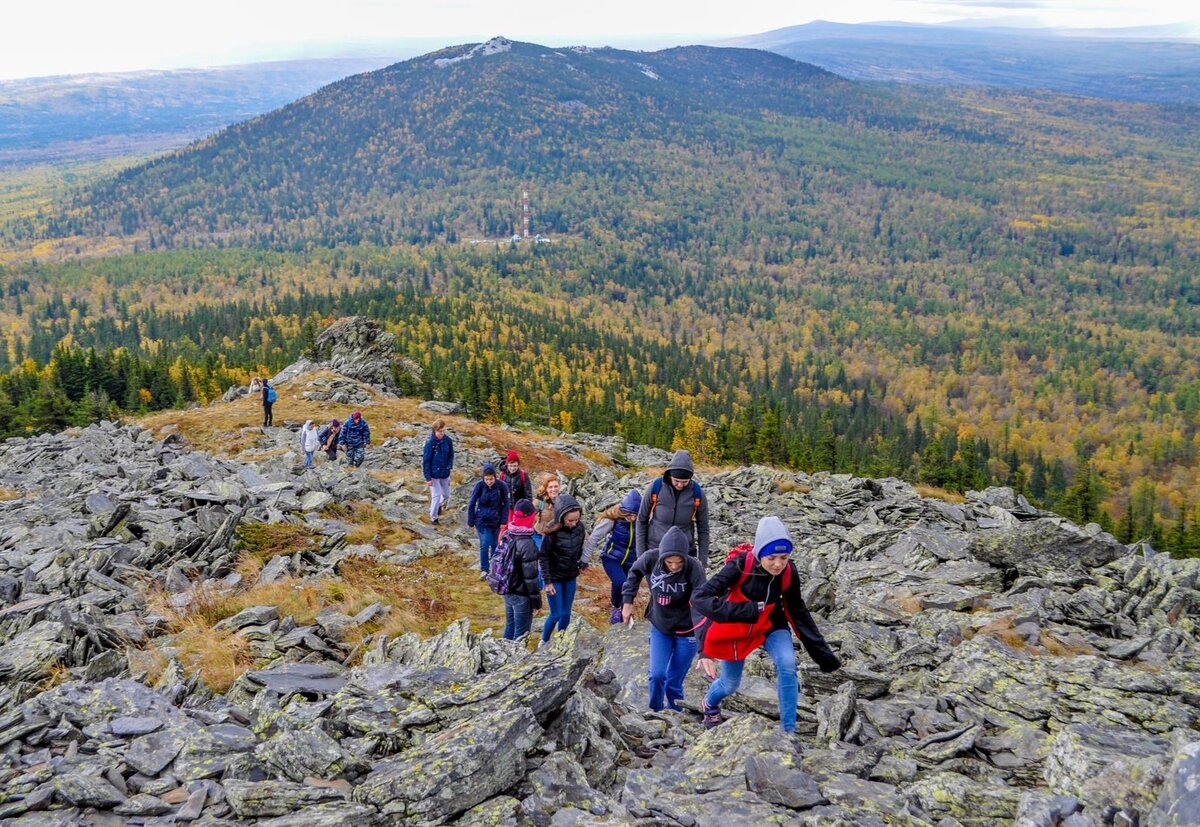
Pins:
x,y
735,641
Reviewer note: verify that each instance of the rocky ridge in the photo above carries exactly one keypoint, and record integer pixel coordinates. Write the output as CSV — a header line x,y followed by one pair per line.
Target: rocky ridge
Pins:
x,y
1002,665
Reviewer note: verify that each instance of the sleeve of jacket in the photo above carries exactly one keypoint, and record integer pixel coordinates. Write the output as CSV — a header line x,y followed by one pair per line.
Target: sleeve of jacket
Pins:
x,y
702,534
506,506
529,573
603,526
473,504
342,435
426,458
710,599
641,528
450,453
366,433
544,558
806,628
633,582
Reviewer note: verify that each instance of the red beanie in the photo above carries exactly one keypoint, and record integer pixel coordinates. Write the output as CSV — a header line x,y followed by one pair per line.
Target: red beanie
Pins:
x,y
513,456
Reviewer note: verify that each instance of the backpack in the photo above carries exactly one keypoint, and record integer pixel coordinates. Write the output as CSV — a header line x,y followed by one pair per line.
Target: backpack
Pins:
x,y
271,395
656,489
735,641
500,569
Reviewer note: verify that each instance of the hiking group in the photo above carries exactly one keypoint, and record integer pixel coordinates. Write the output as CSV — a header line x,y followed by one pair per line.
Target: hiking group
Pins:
x,y
352,436
659,536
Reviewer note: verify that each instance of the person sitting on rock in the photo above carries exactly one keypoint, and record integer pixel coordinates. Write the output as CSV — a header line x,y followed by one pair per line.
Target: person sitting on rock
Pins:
x,y
675,499
524,594
674,577
329,439
614,535
437,461
755,601
561,562
310,441
486,511
355,437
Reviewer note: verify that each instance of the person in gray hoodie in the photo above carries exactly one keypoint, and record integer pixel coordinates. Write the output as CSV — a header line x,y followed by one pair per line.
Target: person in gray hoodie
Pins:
x,y
674,500
673,576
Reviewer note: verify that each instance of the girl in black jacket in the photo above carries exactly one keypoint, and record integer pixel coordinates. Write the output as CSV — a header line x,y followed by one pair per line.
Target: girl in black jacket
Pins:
x,y
562,561
755,601
674,577
524,594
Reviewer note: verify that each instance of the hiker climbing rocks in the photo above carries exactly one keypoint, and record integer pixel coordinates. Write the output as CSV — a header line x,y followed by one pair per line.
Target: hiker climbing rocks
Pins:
x,y
674,576
310,441
436,464
755,601
329,439
561,562
675,499
486,512
513,571
355,437
613,534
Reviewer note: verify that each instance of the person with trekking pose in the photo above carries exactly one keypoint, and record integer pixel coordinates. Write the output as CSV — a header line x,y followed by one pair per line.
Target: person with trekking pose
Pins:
x,y
355,436
613,534
674,499
513,571
754,601
329,439
515,477
437,461
268,402
486,511
674,576
561,562
310,441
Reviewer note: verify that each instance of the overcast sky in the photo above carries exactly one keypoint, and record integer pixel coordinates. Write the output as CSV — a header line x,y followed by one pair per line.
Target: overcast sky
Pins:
x,y
50,37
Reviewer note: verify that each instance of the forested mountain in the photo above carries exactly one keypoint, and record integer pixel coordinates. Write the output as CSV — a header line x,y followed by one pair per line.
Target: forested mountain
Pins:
x,y
750,256
1157,66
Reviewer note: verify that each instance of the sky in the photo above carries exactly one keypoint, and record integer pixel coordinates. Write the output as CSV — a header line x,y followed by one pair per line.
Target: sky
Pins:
x,y
54,37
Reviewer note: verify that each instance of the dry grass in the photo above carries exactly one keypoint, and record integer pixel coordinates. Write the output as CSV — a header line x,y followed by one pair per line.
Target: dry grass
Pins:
x,y
370,526
789,485
934,493
10,494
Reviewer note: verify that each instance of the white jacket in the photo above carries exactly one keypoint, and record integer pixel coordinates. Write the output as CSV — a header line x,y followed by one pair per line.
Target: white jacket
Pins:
x,y
310,438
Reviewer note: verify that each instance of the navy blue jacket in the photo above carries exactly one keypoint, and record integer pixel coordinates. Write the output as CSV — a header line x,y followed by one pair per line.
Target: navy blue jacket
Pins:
x,y
355,436
438,459
488,506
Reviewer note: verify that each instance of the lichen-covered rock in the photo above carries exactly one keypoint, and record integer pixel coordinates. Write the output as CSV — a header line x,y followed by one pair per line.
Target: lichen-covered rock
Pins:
x,y
966,800
1044,546
1179,803
259,799
298,754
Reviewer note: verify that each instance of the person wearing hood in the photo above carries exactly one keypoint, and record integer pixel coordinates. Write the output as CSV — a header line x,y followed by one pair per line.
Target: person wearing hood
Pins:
x,y
355,437
674,576
310,441
486,511
674,500
562,560
754,601
523,593
613,534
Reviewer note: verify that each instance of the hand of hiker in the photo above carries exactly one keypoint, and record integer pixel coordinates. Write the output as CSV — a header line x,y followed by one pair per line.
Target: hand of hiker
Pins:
x,y
627,614
708,666
550,589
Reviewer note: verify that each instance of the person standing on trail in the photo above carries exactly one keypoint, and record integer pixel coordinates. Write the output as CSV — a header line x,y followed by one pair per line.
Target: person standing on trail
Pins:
x,y
545,495
268,402
674,499
516,478
436,464
613,535
522,592
310,441
486,512
561,562
355,437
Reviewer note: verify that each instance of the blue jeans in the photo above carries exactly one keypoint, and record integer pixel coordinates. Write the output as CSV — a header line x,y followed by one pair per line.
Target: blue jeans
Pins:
x,y
670,658
779,647
356,454
518,616
308,459
560,607
487,543
617,574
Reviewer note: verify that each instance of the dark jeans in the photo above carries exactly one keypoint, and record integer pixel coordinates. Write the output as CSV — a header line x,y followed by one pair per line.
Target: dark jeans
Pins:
x,y
670,658
560,607
487,543
267,418
518,616
617,574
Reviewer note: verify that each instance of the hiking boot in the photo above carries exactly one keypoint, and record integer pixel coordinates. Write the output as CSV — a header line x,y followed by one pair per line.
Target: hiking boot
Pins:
x,y
712,715
434,521
615,617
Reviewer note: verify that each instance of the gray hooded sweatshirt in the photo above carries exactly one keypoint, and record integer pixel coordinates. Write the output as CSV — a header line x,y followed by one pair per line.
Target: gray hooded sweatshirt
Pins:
x,y
674,508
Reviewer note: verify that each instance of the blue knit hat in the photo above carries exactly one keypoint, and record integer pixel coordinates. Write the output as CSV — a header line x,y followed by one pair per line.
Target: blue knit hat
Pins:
x,y
489,468
631,503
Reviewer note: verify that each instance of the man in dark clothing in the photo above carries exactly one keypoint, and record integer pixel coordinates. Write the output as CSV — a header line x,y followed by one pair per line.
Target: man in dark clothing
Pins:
x,y
516,478
755,601
437,461
674,576
674,500
486,512
355,437
268,400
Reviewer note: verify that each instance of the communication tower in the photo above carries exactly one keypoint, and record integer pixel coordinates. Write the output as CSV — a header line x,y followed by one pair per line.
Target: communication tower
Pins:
x,y
525,210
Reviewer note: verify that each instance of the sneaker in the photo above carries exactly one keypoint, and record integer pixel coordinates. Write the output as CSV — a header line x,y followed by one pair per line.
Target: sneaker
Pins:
x,y
712,715
615,617
483,575
434,521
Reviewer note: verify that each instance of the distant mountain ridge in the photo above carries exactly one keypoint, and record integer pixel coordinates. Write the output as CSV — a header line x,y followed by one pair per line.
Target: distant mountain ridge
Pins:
x,y
1154,64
